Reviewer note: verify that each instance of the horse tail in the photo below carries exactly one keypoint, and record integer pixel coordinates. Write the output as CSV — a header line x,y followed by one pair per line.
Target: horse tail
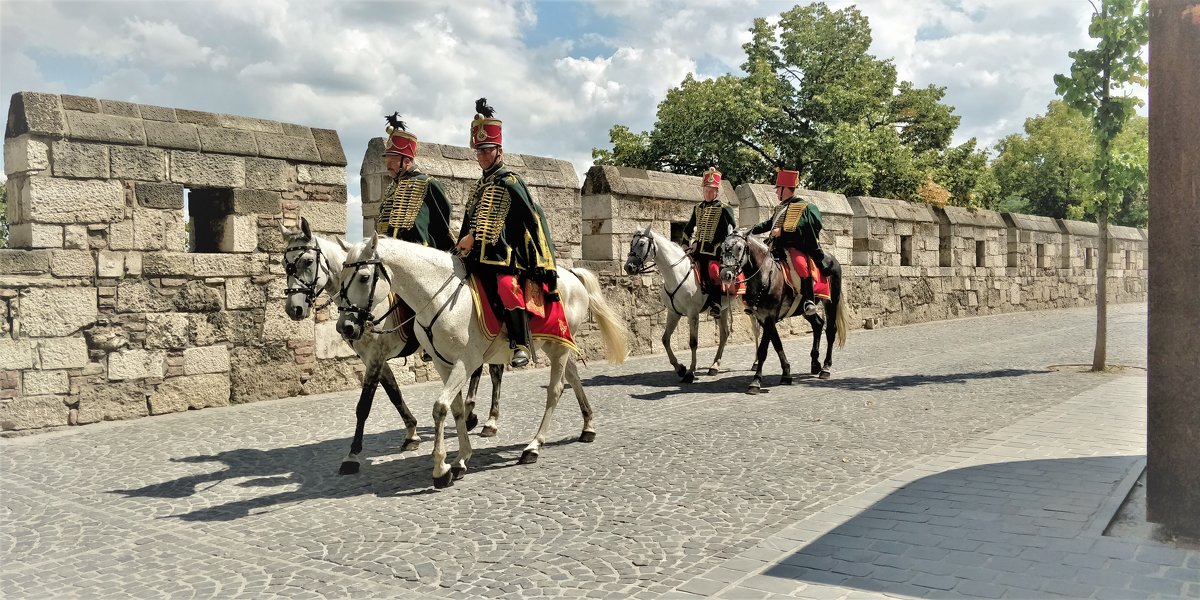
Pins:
x,y
842,327
612,329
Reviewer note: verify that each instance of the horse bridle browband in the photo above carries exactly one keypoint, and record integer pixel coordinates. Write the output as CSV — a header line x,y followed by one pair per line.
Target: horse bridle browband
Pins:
x,y
308,288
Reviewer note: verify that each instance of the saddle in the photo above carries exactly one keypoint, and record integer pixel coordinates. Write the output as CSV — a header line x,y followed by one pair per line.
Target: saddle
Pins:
x,y
549,325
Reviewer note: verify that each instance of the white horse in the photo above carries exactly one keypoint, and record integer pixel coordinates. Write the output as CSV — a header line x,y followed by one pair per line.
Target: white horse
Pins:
x,y
314,266
435,284
681,295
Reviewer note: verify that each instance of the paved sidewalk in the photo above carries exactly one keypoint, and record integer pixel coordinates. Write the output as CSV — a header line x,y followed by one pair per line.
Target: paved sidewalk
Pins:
x,y
1019,513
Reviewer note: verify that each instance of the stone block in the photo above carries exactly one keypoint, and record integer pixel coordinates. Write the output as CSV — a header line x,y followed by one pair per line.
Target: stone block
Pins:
x,y
136,364
15,354
85,161
329,343
80,103
133,264
207,170
63,353
264,373
111,402
334,376
269,174
167,330
324,175
296,130
279,328
178,394
167,264
157,113
56,312
72,263
139,163
159,229
209,359
329,146
229,265
33,412
41,383
120,235
181,136
227,141
323,217
197,117
25,155
31,236
75,237
36,113
249,124
159,195
106,128
142,297
110,264
240,293
120,109
239,233
75,201
256,202
272,145
196,297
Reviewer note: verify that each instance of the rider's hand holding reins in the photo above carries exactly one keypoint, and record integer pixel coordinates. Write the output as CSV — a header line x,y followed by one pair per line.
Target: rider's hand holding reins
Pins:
x,y
776,232
464,245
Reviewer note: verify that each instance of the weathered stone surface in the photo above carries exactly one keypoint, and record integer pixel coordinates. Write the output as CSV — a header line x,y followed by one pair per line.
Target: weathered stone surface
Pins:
x,y
195,391
24,261
207,359
259,202
72,263
197,117
70,159
141,296
75,237
159,229
138,163
167,330
63,353
225,265
159,195
334,375
269,174
32,412
37,113
241,292
75,201
181,136
329,343
207,170
106,337
323,217
133,264
136,364
324,175
279,328
228,141
15,354
197,297
167,263
40,383
80,103
329,146
239,234
106,128
32,236
120,235
296,130
249,123
24,154
111,402
56,312
263,373
120,109
157,113
281,146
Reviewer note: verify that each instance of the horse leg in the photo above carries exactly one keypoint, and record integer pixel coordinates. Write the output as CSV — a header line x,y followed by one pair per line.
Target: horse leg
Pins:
x,y
493,423
411,440
672,323
472,387
756,327
459,470
451,388
817,326
831,332
784,365
350,465
693,344
723,327
558,359
759,357
589,430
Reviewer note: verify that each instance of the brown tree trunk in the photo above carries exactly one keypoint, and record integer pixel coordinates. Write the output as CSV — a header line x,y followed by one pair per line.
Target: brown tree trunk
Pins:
x,y
1099,357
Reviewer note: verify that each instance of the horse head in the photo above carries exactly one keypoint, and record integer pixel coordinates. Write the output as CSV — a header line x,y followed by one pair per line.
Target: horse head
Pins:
x,y
641,252
307,271
361,274
735,254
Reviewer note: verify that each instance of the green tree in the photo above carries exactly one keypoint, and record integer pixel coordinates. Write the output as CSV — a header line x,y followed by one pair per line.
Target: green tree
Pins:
x,y
1096,88
1049,168
811,99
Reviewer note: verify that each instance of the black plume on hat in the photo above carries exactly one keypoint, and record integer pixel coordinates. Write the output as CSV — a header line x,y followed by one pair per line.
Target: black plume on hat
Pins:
x,y
394,120
482,108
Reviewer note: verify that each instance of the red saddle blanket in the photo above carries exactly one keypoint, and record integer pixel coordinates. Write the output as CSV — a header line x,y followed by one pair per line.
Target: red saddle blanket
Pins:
x,y
549,328
714,278
800,265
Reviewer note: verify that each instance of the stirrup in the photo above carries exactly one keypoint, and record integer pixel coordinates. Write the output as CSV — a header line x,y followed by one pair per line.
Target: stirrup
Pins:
x,y
809,307
520,358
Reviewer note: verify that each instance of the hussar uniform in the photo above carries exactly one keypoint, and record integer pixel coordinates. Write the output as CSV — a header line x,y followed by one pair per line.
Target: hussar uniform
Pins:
x,y
711,221
799,222
414,207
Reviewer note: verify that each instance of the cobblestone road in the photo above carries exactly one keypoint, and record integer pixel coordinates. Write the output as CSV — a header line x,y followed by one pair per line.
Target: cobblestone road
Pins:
x,y
246,501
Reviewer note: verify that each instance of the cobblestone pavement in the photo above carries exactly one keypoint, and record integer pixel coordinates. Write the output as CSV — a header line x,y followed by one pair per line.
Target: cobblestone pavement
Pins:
x,y
684,487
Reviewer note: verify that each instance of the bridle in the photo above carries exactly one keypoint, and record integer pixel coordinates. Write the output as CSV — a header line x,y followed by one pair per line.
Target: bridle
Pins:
x,y
310,289
652,254
736,262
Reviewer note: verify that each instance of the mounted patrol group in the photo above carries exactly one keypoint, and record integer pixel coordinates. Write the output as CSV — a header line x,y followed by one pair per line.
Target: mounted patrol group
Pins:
x,y
487,294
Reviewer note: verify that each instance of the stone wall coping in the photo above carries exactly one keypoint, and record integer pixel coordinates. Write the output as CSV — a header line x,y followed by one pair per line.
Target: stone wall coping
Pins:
x,y
80,118
1032,222
763,195
445,161
627,181
892,210
958,215
1122,232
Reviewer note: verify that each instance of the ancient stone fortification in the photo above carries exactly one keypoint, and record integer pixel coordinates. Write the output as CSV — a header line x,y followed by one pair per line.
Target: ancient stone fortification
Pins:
x,y
114,309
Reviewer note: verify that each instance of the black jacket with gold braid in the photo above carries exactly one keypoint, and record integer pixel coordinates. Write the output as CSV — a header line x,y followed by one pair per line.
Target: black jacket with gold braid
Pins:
x,y
512,234
415,210
711,222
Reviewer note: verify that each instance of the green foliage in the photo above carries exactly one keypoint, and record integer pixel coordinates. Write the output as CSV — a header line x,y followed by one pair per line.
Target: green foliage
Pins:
x,y
814,100
1050,167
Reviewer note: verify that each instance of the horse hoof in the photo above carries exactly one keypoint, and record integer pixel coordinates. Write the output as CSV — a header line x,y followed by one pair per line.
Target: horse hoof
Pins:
x,y
713,371
458,472
348,468
487,431
680,370
410,445
753,390
444,481
824,374
816,368
472,421
689,377
528,457
587,437
785,380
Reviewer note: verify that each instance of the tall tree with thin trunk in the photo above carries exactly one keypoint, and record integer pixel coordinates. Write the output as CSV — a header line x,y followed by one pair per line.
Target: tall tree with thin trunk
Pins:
x,y
1098,87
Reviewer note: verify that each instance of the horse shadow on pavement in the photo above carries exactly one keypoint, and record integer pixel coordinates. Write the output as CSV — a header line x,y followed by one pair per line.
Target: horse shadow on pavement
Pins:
x,y
310,471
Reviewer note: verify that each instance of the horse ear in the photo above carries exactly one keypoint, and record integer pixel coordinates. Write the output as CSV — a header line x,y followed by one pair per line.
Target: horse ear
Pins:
x,y
373,243
305,229
341,242
283,230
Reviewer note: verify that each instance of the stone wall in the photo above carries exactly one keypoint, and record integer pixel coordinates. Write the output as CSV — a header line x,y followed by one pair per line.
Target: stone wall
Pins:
x,y
112,308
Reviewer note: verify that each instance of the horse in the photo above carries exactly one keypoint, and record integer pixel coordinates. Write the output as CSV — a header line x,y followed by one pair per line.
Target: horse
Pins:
x,y
771,300
314,265
681,294
435,284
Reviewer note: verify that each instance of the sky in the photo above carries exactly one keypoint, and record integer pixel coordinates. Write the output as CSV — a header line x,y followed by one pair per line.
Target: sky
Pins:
x,y
559,73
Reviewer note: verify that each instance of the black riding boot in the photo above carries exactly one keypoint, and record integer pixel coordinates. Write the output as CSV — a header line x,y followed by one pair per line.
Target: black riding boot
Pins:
x,y
518,336
808,305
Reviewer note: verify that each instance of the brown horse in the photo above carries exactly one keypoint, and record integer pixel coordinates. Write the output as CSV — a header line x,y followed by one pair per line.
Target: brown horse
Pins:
x,y
770,299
